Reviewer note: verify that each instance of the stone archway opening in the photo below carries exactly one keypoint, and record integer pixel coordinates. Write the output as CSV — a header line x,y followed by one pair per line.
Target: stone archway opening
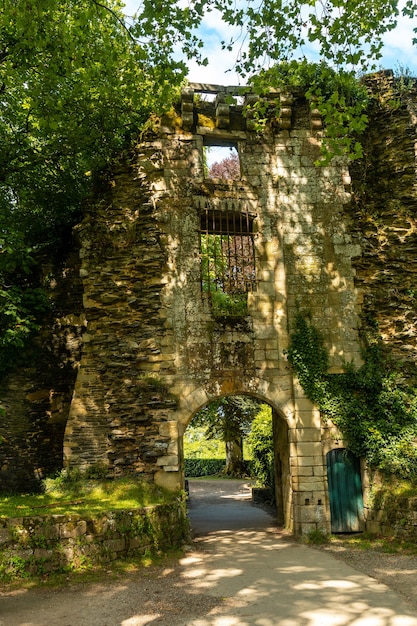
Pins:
x,y
249,439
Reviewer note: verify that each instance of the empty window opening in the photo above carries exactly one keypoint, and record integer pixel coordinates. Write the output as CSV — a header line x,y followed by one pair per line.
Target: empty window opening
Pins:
x,y
227,260
221,161
205,96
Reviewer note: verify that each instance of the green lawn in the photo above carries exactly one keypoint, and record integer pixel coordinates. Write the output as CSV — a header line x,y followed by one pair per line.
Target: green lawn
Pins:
x,y
84,496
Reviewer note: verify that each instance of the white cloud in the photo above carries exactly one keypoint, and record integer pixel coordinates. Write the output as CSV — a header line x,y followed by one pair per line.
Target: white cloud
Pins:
x,y
398,48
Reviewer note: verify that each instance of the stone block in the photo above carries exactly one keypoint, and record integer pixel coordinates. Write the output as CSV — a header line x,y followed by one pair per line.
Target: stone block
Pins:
x,y
168,480
320,471
302,449
308,418
307,470
306,483
4,536
169,429
304,434
114,545
73,529
311,513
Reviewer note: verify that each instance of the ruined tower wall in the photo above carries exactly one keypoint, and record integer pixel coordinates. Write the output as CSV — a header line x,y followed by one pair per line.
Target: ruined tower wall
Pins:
x,y
154,351
383,218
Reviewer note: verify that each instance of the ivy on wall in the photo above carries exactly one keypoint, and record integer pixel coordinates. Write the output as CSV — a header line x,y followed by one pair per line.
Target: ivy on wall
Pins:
x,y
372,406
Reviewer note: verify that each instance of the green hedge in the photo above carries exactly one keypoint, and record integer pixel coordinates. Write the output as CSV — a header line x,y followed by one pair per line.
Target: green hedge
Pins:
x,y
195,468
203,467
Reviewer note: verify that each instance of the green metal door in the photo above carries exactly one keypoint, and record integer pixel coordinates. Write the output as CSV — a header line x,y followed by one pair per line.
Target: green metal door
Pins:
x,y
345,491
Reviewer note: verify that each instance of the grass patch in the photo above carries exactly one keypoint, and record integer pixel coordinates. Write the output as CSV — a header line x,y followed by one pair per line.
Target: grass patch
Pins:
x,y
376,543
68,494
316,537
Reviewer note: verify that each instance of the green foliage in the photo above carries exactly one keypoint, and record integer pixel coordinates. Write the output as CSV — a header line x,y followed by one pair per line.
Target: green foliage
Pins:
x,y
73,493
317,537
345,34
228,418
198,467
229,304
215,272
78,85
197,446
13,566
372,406
386,545
339,96
348,38
21,310
261,443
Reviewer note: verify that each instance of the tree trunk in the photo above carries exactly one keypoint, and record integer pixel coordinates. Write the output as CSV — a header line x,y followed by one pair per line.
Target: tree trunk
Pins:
x,y
234,458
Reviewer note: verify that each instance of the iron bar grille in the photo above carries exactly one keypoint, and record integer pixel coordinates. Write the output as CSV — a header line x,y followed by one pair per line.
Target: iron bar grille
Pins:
x,y
227,257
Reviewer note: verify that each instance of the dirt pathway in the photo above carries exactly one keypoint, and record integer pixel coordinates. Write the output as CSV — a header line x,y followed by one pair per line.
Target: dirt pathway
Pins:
x,y
249,577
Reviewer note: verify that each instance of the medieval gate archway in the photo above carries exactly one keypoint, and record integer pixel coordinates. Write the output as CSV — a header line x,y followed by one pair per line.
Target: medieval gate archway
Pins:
x,y
282,462
191,285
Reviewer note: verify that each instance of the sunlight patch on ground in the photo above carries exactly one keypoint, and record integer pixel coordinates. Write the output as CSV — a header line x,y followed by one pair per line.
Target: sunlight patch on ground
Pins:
x,y
327,584
210,578
140,620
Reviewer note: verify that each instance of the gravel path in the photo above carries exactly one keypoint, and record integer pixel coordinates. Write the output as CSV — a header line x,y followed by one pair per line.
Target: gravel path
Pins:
x,y
397,571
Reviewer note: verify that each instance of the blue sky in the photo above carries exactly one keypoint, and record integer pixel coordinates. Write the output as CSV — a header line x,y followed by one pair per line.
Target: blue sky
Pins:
x,y
398,50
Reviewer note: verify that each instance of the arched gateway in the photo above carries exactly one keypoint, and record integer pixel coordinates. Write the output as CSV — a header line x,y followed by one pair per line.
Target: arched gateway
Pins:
x,y
192,283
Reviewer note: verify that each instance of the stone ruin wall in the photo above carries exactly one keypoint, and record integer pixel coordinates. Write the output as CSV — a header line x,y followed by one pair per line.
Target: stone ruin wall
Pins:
x,y
36,396
152,352
382,219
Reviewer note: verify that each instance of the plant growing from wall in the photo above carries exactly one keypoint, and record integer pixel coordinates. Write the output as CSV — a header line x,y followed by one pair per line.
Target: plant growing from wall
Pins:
x,y
374,409
339,96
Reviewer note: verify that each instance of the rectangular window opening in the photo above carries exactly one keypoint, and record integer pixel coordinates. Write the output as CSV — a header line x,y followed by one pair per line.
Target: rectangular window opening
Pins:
x,y
227,260
221,161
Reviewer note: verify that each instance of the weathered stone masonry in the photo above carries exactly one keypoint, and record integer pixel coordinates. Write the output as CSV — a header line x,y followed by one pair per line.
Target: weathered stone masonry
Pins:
x,y
154,353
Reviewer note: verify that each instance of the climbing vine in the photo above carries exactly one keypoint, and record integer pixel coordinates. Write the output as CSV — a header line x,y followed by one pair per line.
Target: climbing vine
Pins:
x,y
339,96
373,407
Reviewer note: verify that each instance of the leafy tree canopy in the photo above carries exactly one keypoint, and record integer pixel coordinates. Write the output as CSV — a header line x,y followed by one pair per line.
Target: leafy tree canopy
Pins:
x,y
343,33
261,442
76,83
229,419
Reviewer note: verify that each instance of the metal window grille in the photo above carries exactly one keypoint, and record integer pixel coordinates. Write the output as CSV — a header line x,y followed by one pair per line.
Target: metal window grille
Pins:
x,y
227,252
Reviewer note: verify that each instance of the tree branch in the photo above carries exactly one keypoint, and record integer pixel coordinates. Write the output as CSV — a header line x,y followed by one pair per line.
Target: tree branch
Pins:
x,y
121,22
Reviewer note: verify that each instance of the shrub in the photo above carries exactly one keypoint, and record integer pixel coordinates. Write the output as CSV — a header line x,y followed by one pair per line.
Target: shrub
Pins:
x,y
261,442
203,467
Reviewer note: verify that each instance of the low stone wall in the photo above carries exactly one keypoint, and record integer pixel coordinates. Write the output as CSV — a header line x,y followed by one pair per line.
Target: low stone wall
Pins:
x,y
393,516
56,543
